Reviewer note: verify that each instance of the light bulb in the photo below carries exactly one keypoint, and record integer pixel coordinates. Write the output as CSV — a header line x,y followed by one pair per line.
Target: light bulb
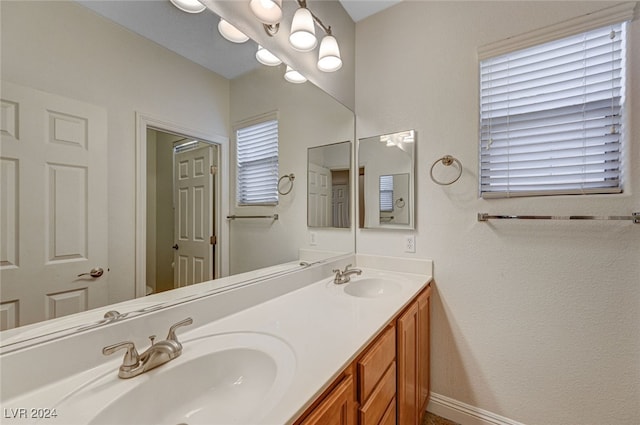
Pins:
x,y
231,33
189,6
329,55
303,31
265,57
267,11
293,76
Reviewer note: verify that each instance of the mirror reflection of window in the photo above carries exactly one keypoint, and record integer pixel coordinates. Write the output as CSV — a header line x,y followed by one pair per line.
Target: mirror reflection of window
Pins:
x,y
386,193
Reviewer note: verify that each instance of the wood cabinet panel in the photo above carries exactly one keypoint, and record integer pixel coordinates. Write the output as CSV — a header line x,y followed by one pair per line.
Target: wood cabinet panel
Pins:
x,y
373,410
337,406
389,417
424,359
375,362
413,360
407,365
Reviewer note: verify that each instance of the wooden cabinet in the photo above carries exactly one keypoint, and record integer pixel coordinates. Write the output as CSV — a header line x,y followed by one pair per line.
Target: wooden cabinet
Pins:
x,y
337,407
388,383
377,378
413,360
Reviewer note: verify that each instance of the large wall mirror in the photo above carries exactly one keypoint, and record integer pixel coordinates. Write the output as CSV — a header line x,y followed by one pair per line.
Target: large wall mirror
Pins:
x,y
386,180
329,185
107,59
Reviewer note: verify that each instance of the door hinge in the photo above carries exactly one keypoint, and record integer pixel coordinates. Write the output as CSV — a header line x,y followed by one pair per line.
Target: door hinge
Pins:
x,y
212,240
213,170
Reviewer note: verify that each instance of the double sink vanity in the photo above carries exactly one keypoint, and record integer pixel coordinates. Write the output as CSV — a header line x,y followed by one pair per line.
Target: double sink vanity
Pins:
x,y
291,348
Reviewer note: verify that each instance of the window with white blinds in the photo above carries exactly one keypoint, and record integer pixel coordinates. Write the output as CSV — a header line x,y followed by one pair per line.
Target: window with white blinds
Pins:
x,y
257,163
386,193
550,117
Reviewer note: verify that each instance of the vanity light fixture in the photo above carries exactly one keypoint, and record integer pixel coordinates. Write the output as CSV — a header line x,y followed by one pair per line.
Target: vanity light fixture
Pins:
x,y
231,33
265,57
269,12
329,56
293,76
303,30
189,6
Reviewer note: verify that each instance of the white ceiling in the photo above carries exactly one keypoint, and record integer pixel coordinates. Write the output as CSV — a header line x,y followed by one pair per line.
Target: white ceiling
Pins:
x,y
195,36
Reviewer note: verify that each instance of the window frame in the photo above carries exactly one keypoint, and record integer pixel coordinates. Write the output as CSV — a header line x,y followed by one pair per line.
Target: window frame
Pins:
x,y
241,201
617,14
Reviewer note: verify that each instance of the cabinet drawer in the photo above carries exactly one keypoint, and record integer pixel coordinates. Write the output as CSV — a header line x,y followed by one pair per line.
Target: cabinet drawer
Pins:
x,y
373,365
389,417
373,410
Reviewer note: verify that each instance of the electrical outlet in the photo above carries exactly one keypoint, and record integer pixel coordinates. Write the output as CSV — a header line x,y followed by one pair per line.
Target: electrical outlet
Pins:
x,y
410,243
313,238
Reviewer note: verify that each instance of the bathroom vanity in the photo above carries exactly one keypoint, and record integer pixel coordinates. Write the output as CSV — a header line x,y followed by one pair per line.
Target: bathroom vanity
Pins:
x,y
291,349
388,381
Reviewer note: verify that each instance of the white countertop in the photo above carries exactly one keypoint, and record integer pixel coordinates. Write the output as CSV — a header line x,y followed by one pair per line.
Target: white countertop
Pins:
x,y
324,327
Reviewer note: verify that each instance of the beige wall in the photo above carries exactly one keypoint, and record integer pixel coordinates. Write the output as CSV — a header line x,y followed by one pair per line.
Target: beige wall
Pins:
x,y
63,48
534,321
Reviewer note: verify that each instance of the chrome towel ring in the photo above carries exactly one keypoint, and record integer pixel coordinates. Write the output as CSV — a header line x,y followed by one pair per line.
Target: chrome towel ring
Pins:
x,y
291,178
447,161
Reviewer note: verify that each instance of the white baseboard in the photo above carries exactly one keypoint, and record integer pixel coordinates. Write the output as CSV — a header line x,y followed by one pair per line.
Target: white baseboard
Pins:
x,y
463,413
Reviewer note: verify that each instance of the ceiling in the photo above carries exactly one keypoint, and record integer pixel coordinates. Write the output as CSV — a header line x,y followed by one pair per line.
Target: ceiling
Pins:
x,y
195,36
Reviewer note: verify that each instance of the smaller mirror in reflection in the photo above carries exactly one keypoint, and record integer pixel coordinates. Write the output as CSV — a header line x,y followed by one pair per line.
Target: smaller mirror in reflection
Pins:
x,y
328,187
394,192
386,180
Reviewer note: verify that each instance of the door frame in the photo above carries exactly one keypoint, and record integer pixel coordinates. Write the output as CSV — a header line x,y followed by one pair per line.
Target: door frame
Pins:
x,y
221,184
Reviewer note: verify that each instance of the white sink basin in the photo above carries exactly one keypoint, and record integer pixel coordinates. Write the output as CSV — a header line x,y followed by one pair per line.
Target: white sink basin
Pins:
x,y
372,287
222,379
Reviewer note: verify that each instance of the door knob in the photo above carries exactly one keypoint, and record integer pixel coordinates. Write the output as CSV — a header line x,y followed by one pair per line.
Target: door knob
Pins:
x,y
94,272
176,247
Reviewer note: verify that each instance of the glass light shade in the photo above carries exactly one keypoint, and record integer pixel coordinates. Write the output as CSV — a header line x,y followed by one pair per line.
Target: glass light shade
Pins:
x,y
329,56
265,57
293,76
267,11
189,6
303,31
231,33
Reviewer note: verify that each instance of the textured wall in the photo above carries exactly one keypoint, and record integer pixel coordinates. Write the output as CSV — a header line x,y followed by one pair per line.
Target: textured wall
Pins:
x,y
534,321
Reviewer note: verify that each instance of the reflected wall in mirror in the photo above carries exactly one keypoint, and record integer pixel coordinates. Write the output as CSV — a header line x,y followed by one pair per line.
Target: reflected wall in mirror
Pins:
x,y
329,185
70,53
386,180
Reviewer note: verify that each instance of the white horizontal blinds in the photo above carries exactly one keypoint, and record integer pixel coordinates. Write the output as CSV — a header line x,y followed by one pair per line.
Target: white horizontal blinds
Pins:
x,y
257,156
551,117
386,193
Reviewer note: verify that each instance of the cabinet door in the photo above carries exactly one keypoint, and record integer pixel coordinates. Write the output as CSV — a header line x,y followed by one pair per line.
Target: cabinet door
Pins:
x,y
337,408
423,351
407,355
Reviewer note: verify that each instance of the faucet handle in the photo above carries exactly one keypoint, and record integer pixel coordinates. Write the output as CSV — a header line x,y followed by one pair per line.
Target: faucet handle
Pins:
x,y
131,357
172,329
347,267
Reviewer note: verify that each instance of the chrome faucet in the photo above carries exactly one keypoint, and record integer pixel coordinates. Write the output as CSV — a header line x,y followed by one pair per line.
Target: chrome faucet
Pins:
x,y
134,364
345,276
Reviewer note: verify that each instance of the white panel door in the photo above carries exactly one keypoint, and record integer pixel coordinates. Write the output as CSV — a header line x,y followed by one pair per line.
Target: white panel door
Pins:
x,y
53,210
319,196
340,205
193,257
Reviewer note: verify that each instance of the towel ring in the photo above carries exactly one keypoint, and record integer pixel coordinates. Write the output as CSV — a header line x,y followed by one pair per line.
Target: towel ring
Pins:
x,y
400,203
291,178
446,160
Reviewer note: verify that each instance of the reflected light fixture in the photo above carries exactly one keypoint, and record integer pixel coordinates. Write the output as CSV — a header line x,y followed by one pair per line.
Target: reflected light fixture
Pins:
x,y
303,30
265,57
231,33
293,76
268,12
189,6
